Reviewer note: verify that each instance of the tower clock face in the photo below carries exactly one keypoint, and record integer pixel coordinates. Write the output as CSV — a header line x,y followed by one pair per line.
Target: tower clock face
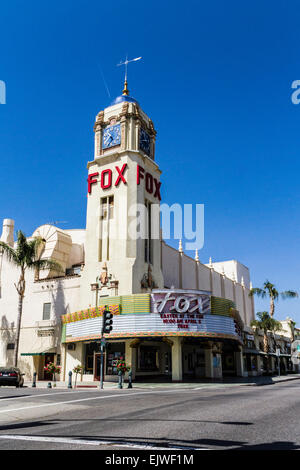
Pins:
x,y
111,136
144,141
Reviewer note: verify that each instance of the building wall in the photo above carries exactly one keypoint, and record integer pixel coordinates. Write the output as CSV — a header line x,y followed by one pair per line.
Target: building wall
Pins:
x,y
36,334
66,295
183,272
233,269
170,266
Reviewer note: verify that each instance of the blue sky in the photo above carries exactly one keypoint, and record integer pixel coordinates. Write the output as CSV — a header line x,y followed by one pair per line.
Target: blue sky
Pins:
x,y
216,80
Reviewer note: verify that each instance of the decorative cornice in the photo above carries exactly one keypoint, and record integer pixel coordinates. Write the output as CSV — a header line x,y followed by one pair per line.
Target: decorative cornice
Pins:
x,y
89,313
158,334
119,152
58,278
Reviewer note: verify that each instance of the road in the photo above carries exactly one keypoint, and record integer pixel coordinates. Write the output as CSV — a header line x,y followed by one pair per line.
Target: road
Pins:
x,y
244,417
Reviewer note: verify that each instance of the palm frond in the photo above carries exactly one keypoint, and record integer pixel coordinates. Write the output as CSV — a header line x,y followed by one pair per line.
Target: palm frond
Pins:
x,y
289,294
33,250
263,322
47,264
9,252
257,291
255,323
271,289
22,248
275,325
263,316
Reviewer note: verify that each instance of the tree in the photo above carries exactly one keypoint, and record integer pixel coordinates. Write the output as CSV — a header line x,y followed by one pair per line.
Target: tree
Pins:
x,y
266,323
26,256
269,290
292,325
77,370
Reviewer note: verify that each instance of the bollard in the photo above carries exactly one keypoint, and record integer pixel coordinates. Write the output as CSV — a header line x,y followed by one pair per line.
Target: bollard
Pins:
x,y
120,385
34,380
70,380
49,385
130,379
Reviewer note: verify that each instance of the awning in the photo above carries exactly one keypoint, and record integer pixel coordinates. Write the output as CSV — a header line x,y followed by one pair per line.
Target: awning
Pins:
x,y
40,353
251,351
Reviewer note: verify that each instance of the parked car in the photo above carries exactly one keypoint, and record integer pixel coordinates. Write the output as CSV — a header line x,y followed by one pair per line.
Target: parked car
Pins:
x,y
11,376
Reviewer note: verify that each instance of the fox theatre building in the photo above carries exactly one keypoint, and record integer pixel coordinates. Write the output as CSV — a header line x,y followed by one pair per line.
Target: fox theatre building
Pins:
x,y
174,317
166,335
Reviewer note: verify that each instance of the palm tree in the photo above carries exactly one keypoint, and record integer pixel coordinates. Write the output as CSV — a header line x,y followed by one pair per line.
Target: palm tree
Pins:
x,y
269,290
26,256
266,323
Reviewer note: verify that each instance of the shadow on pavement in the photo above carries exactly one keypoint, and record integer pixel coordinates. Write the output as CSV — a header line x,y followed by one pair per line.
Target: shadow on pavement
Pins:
x,y
210,444
207,443
277,445
8,397
29,424
126,420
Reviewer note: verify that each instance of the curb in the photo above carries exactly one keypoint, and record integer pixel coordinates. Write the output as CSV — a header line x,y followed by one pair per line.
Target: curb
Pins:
x,y
270,383
136,386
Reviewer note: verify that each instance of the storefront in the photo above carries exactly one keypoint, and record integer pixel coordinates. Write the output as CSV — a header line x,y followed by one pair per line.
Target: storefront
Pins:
x,y
168,335
40,359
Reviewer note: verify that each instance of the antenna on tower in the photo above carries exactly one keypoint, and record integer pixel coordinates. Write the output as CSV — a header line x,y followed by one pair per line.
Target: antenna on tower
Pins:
x,y
56,222
126,62
104,81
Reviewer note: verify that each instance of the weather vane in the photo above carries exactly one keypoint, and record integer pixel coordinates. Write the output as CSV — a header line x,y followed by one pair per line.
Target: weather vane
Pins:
x,y
126,62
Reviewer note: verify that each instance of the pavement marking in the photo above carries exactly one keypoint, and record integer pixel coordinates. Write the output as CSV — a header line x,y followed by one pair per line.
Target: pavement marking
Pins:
x,y
51,439
64,440
92,398
153,447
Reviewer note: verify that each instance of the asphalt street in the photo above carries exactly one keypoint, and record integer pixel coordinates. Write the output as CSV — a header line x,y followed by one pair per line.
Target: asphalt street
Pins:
x,y
243,418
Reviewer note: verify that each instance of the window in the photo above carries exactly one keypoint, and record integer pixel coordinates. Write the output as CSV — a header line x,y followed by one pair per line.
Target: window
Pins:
x,y
250,344
107,207
90,348
148,238
106,214
10,346
148,358
46,311
75,270
114,353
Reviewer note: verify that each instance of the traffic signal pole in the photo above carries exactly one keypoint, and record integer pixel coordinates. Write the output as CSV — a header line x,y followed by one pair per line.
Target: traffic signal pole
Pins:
x,y
101,364
102,350
107,321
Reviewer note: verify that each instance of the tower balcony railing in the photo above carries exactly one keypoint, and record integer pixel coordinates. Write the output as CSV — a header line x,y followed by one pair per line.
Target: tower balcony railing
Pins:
x,y
46,324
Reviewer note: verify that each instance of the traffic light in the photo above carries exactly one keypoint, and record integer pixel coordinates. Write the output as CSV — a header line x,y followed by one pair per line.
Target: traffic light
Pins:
x,y
107,321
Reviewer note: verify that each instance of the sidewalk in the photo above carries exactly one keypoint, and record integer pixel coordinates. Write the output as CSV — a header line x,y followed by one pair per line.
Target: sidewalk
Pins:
x,y
205,383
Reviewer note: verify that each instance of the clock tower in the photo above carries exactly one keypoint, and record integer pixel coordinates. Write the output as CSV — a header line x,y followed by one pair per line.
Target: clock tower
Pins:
x,y
123,246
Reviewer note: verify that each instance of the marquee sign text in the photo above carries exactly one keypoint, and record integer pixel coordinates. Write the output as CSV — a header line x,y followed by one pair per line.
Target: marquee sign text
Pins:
x,y
180,302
